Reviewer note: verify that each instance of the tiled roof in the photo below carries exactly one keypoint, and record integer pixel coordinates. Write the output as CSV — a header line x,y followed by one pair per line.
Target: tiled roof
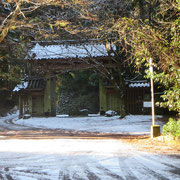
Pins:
x,y
30,84
138,84
64,51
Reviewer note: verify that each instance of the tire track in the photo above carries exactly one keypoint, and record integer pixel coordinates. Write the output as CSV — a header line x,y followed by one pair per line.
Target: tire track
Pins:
x,y
110,173
64,176
1,176
91,175
126,171
144,168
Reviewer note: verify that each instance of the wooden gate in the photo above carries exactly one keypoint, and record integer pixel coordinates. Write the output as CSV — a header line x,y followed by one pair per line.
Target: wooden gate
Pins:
x,y
38,105
135,100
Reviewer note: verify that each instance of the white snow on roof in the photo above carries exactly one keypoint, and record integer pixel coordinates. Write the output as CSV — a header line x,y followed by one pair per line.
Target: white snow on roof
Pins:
x,y
63,51
23,85
139,84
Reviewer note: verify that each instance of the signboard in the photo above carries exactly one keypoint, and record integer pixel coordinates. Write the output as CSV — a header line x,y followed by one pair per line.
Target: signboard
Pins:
x,y
147,104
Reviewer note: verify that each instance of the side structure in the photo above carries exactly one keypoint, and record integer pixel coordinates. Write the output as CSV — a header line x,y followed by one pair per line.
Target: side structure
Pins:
x,y
109,98
37,96
137,97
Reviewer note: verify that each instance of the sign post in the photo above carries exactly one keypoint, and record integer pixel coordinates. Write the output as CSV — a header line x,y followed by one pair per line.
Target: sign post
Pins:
x,y
155,129
152,92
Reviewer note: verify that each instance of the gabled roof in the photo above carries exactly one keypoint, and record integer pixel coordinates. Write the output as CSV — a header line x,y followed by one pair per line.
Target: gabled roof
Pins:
x,y
67,51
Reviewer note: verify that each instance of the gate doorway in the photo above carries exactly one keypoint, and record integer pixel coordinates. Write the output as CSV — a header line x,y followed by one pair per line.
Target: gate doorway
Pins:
x,y
38,105
135,98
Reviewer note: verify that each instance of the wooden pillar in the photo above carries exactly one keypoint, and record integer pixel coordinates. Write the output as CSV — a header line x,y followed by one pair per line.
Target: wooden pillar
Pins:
x,y
20,107
30,103
102,97
53,95
47,96
117,103
50,95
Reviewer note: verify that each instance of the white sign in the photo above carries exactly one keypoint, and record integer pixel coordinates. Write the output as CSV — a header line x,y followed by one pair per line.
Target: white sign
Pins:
x,y
147,104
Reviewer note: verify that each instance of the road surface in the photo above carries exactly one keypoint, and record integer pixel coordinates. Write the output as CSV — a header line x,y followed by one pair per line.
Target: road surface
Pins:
x,y
78,159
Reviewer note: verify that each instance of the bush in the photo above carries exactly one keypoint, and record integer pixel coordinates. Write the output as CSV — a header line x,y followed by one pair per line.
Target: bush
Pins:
x,y
172,128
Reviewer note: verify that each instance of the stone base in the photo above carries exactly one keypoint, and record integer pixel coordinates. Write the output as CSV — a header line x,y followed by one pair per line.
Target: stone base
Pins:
x,y
155,131
26,116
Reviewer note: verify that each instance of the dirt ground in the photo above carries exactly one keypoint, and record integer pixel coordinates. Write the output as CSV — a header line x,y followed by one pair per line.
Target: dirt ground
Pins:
x,y
139,142
145,143
154,145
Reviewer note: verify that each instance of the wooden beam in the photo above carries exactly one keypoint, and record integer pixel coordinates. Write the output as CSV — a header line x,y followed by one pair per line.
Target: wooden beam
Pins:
x,y
59,65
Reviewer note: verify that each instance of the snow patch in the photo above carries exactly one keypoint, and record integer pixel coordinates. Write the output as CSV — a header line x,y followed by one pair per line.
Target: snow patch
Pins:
x,y
64,51
139,85
23,85
132,124
110,113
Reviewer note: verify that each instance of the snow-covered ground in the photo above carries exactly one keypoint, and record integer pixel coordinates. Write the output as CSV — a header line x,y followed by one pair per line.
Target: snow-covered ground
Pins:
x,y
75,159
82,159
6,125
132,124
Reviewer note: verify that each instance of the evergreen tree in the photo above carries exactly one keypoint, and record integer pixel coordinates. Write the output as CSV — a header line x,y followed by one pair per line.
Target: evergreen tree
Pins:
x,y
78,91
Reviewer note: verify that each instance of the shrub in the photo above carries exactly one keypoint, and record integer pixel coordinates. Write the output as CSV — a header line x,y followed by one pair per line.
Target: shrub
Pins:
x,y
172,128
